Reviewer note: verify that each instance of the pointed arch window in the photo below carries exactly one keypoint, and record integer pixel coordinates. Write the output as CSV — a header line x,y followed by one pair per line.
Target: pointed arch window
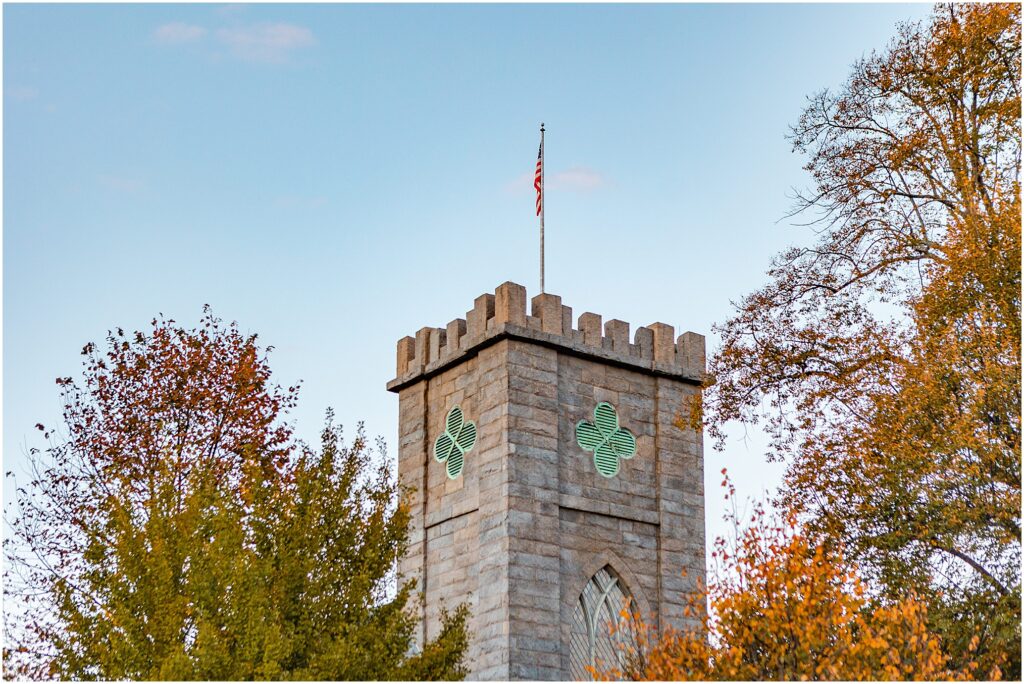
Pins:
x,y
598,608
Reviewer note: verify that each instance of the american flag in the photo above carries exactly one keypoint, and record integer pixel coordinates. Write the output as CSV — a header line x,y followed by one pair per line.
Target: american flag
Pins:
x,y
538,177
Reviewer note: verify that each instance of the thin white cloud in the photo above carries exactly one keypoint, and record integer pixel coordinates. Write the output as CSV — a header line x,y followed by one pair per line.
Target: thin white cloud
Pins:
x,y
178,32
120,183
22,93
232,9
265,42
576,178
301,201
520,183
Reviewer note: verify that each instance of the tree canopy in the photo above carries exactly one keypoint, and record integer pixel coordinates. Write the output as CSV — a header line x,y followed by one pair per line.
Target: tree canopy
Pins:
x,y
178,531
884,358
784,604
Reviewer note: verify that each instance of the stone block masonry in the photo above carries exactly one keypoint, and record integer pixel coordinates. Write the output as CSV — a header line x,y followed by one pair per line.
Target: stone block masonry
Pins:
x,y
530,519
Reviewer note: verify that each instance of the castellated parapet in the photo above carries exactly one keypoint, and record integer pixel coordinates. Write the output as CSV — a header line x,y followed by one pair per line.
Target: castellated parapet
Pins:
x,y
525,525
503,314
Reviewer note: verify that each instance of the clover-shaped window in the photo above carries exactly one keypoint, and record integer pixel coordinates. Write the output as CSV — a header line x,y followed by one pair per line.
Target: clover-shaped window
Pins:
x,y
606,439
458,439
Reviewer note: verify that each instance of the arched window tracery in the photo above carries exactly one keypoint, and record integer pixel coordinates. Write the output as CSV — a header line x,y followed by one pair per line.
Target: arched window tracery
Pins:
x,y
597,609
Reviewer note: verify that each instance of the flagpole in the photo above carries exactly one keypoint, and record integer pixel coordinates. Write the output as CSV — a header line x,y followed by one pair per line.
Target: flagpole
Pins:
x,y
543,201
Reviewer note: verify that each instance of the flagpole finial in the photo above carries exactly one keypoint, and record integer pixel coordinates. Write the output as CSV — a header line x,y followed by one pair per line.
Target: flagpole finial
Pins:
x,y
541,126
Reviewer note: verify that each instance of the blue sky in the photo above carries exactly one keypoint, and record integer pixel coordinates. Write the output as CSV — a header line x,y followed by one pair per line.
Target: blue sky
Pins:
x,y
336,177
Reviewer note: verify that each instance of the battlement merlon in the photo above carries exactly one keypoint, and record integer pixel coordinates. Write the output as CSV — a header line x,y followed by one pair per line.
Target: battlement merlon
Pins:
x,y
502,315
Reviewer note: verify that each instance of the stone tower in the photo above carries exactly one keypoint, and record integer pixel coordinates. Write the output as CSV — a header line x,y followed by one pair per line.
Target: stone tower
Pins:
x,y
553,479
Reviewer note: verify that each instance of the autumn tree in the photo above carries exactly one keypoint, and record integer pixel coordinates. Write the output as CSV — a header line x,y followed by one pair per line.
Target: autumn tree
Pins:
x,y
176,530
785,604
884,358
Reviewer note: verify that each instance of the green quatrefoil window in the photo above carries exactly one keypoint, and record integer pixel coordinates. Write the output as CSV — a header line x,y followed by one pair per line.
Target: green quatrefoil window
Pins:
x,y
458,439
606,439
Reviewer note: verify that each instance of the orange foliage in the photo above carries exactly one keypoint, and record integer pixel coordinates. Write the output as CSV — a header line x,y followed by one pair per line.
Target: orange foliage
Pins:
x,y
787,606
883,357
